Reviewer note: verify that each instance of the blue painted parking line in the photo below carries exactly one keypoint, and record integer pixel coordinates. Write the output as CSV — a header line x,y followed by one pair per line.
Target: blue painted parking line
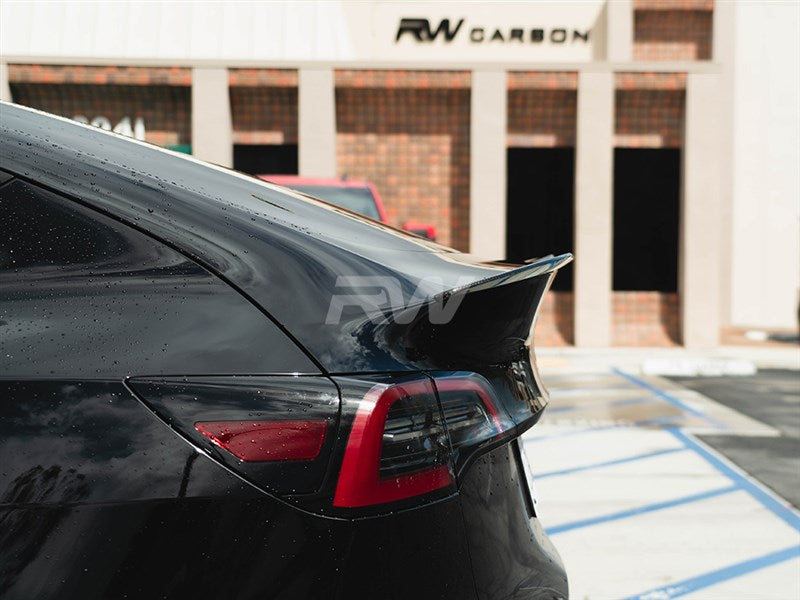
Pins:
x,y
624,514
687,586
669,398
758,492
573,407
608,463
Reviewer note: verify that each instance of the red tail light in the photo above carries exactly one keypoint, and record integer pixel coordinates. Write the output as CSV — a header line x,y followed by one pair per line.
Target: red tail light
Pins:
x,y
254,441
397,447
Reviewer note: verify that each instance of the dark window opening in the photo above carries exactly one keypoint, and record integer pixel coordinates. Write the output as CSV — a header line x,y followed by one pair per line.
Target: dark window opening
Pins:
x,y
540,211
646,219
256,159
47,233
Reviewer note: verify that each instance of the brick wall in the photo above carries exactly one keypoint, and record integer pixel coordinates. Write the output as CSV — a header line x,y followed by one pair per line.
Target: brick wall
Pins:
x,y
649,110
541,109
408,132
165,109
555,325
673,5
180,76
672,30
263,106
367,79
645,319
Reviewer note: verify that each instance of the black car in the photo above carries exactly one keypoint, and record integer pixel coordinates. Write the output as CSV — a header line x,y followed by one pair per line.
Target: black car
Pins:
x,y
213,387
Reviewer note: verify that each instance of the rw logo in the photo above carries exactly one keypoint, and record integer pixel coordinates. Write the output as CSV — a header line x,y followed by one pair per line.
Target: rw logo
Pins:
x,y
420,29
378,296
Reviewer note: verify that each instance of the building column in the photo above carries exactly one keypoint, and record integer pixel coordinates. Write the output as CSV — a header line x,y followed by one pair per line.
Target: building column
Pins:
x,y
700,237
5,89
619,30
212,127
316,107
594,205
723,53
487,160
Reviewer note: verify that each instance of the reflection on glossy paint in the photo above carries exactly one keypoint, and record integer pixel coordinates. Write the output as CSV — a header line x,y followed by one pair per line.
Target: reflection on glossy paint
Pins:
x,y
66,443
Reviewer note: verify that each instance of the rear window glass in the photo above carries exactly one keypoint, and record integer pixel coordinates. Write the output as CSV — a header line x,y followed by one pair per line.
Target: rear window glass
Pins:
x,y
357,199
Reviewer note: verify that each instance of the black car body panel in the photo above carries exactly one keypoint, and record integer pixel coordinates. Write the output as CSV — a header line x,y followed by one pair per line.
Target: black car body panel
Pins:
x,y
147,299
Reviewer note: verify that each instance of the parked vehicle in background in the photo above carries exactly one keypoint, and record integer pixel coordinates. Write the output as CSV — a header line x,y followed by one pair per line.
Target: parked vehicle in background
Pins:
x,y
202,395
358,195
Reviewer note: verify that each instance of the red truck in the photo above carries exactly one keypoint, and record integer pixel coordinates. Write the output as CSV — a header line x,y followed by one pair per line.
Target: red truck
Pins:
x,y
358,195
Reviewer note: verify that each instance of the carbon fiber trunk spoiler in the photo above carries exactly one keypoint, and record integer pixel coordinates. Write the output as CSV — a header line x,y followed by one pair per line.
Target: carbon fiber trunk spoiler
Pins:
x,y
491,325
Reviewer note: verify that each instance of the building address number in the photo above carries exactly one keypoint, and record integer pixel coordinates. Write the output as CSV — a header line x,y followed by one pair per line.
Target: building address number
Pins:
x,y
133,128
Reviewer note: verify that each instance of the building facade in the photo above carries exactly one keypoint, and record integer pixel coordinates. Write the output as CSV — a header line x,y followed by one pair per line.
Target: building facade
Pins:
x,y
622,131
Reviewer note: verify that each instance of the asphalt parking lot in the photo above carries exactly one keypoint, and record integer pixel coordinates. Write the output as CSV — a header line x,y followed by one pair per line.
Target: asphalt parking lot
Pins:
x,y
773,397
656,488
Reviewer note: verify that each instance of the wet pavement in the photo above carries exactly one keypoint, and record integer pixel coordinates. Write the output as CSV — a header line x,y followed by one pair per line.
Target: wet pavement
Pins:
x,y
640,507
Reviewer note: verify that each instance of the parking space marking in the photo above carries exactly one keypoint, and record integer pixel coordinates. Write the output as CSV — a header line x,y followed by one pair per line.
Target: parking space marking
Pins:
x,y
669,398
624,514
694,584
560,392
624,402
743,481
644,423
759,492
782,577
676,427
608,463
670,546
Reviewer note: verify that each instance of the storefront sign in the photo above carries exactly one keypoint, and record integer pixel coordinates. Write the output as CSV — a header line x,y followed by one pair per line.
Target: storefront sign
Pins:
x,y
422,31
489,32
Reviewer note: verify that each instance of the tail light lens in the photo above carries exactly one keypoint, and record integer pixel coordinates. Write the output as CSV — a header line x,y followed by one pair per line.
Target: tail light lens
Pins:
x,y
482,410
260,441
397,447
473,415
278,432
469,410
348,446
